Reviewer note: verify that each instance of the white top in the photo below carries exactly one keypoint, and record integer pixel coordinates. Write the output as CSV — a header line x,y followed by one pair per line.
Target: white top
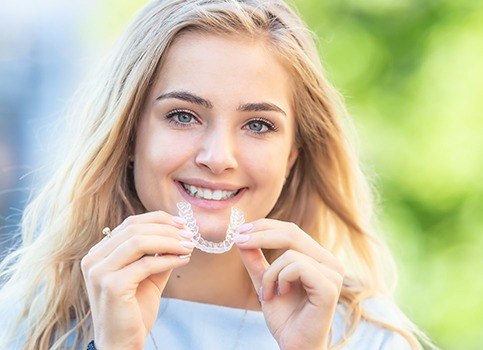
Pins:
x,y
183,325
187,325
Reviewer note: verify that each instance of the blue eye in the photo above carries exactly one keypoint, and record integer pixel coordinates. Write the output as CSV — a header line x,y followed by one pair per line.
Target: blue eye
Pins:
x,y
261,126
257,126
181,117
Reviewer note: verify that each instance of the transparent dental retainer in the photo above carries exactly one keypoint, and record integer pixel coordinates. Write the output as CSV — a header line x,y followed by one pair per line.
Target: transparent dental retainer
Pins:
x,y
236,220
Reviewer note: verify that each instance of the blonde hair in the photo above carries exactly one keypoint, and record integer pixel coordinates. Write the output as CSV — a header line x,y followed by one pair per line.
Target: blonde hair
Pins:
x,y
326,193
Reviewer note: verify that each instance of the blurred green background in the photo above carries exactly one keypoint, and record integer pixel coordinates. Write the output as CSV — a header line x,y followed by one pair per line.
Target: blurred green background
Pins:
x,y
412,75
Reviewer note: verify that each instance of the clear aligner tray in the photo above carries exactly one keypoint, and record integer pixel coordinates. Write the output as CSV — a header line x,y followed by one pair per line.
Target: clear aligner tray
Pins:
x,y
236,219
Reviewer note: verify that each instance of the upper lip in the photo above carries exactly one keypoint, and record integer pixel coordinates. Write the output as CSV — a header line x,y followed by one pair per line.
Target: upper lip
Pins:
x,y
211,185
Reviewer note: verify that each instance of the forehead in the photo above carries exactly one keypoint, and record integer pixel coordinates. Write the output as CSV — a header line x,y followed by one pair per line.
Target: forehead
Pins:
x,y
215,65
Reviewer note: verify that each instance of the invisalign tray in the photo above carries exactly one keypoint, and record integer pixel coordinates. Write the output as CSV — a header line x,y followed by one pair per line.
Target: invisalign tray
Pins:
x,y
236,219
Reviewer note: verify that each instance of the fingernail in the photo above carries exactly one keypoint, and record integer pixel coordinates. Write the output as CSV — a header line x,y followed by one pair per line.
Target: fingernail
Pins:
x,y
186,233
179,220
245,227
186,256
187,244
260,293
241,238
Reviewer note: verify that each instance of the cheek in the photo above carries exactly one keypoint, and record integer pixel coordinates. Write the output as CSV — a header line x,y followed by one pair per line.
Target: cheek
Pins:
x,y
158,150
157,155
267,181
272,160
267,169
159,159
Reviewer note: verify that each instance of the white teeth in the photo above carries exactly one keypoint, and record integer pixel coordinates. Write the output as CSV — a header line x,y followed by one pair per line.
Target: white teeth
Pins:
x,y
193,189
206,193
217,195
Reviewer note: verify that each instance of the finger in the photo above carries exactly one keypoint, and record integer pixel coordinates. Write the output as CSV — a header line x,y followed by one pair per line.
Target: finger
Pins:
x,y
149,266
285,238
153,217
140,245
320,290
270,281
106,246
256,265
273,285
273,234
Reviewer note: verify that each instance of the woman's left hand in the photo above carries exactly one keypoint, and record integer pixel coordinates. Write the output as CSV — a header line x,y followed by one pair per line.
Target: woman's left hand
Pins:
x,y
299,291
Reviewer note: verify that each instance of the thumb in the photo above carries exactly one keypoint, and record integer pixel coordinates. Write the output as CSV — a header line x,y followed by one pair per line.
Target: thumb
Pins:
x,y
255,263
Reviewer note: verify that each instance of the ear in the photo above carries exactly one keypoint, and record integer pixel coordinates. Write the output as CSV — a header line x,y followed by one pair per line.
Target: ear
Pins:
x,y
292,157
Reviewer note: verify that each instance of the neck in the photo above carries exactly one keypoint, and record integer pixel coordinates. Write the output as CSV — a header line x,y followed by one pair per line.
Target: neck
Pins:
x,y
219,279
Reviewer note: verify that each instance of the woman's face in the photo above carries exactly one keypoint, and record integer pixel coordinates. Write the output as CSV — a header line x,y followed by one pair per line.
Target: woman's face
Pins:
x,y
217,131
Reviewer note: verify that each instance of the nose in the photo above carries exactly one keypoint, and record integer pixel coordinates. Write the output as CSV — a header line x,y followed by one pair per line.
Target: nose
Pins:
x,y
217,151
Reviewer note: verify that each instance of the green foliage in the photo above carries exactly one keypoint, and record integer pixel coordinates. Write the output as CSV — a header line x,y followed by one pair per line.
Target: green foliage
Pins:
x,y
412,75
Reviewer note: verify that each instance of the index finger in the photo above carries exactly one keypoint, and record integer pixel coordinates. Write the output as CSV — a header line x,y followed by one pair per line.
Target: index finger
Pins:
x,y
153,217
274,234
256,265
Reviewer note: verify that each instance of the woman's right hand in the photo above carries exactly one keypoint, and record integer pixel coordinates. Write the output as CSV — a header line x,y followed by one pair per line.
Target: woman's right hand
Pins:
x,y
125,279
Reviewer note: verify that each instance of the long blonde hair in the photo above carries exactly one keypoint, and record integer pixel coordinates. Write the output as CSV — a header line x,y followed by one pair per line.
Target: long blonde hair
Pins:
x,y
326,193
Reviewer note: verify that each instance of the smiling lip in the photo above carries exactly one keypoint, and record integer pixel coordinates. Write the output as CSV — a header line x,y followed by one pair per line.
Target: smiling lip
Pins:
x,y
206,203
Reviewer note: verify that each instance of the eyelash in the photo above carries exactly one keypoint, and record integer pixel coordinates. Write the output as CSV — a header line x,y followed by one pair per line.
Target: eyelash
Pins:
x,y
271,127
170,117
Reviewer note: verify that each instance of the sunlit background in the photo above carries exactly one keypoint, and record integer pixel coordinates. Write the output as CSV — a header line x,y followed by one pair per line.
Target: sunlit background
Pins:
x,y
411,72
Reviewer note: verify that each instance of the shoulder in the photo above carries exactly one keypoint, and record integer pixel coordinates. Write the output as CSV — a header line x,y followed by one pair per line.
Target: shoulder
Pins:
x,y
368,335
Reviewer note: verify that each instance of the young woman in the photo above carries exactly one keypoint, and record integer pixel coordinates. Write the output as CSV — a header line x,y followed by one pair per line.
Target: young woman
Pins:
x,y
219,104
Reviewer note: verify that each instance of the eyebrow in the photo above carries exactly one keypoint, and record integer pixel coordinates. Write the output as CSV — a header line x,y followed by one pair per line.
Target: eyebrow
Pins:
x,y
247,107
186,96
261,106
